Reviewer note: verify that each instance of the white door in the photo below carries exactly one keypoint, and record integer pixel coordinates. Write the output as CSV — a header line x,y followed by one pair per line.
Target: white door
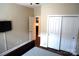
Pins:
x,y
54,30
69,33
31,20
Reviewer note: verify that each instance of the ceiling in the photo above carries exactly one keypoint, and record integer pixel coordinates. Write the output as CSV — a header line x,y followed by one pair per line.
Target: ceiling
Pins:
x,y
30,5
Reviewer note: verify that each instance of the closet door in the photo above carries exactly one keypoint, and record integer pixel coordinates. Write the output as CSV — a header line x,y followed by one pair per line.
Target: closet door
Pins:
x,y
69,33
54,31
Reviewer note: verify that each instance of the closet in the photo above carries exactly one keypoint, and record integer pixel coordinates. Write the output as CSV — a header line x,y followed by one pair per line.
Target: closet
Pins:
x,y
62,33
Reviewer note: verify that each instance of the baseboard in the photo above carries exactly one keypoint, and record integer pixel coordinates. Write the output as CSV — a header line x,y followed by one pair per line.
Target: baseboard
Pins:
x,y
61,52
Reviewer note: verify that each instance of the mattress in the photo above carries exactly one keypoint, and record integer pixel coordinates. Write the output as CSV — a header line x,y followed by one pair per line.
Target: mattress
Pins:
x,y
36,51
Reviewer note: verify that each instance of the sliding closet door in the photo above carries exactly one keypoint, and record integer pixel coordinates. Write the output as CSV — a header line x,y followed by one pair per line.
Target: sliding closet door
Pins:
x,y
54,30
69,33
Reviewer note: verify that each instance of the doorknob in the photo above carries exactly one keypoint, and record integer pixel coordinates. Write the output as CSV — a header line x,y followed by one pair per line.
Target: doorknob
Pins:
x,y
73,37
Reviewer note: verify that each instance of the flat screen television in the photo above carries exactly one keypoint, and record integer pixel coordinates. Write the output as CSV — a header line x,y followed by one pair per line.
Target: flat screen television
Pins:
x,y
5,26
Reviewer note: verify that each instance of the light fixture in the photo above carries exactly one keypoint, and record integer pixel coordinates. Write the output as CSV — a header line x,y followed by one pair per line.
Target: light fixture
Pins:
x,y
35,3
30,3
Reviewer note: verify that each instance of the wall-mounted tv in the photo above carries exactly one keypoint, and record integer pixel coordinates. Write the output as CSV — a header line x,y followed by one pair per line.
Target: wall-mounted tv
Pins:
x,y
5,26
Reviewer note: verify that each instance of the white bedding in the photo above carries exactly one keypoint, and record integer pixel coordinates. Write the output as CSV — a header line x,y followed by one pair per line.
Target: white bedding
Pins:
x,y
39,52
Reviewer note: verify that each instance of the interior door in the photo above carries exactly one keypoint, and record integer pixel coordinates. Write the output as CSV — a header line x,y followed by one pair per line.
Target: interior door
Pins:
x,y
54,31
69,33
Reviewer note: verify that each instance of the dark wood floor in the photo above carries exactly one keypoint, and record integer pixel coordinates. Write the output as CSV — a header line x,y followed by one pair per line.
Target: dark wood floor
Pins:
x,y
63,53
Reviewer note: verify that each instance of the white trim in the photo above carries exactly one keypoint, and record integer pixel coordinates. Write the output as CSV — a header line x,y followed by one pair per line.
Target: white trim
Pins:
x,y
47,30
5,43
36,16
62,15
8,51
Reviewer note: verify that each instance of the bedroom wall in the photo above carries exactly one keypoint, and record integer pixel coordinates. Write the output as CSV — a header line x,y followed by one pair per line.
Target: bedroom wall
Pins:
x,y
37,11
19,15
56,9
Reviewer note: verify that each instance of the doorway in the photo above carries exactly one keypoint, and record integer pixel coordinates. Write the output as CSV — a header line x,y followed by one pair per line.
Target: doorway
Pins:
x,y
37,26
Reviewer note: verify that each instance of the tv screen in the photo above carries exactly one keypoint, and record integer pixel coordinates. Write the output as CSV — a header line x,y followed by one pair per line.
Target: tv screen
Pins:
x,y
5,26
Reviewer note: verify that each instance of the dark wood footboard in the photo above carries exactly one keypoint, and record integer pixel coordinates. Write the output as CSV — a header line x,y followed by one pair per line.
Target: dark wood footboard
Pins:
x,y
21,50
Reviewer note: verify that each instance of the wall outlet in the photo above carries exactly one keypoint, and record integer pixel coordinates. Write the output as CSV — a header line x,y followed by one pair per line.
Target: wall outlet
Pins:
x,y
18,41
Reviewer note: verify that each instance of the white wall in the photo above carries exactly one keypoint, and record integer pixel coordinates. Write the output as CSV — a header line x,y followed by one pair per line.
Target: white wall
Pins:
x,y
19,15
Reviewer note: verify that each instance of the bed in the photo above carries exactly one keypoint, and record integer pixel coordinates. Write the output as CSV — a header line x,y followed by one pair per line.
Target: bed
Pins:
x,y
36,51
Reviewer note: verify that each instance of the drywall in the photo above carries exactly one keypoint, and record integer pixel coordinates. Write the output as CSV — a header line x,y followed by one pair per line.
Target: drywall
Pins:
x,y
19,15
37,11
56,9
